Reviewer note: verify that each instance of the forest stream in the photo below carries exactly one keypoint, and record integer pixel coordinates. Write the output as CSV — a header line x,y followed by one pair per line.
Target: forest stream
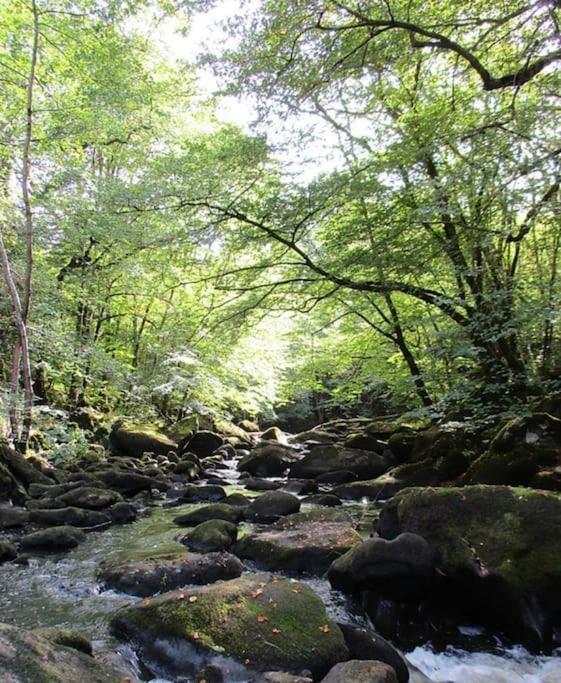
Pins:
x,y
63,591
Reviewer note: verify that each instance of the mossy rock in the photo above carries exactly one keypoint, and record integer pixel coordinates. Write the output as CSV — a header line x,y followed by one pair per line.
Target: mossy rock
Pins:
x,y
361,671
213,535
70,516
229,513
268,460
491,531
148,577
55,539
29,657
323,459
90,498
521,448
265,622
308,546
133,442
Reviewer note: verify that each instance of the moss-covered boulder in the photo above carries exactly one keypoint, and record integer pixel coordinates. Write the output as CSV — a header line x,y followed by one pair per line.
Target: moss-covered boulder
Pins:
x,y
522,448
90,498
258,620
54,539
203,443
229,513
366,644
148,577
20,468
10,489
304,546
397,569
11,517
132,442
274,434
268,460
324,499
323,459
131,483
498,550
213,535
30,657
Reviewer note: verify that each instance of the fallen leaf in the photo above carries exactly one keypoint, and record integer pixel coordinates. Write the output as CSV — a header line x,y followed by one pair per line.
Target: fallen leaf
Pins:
x,y
196,635
262,619
296,590
276,630
146,601
193,598
181,596
247,661
257,593
324,628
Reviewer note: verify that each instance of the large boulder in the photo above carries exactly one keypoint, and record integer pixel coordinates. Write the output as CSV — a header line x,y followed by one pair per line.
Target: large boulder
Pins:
x,y
268,460
29,657
498,551
270,506
307,546
203,443
229,513
20,468
396,568
8,551
259,620
323,459
522,448
148,577
361,671
274,434
54,539
135,442
10,489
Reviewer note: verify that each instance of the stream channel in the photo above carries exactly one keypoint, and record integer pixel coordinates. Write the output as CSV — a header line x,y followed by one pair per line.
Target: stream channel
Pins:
x,y
63,591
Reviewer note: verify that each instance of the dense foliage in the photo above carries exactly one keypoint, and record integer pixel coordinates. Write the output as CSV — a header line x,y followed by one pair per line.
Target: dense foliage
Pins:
x,y
177,266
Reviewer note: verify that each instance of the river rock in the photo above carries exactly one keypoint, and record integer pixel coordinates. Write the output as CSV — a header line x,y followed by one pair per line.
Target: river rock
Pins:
x,y
13,517
397,568
308,547
270,506
336,477
365,644
274,434
131,483
237,499
313,436
70,516
323,459
258,619
365,442
21,469
279,677
122,512
90,497
229,513
148,577
200,494
54,539
249,426
361,671
28,657
324,499
212,536
254,484
60,636
522,448
267,460
136,442
10,489
380,488
203,443
8,551
499,551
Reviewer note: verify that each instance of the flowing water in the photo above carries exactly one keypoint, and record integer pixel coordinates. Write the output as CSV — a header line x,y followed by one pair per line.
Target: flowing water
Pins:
x,y
63,591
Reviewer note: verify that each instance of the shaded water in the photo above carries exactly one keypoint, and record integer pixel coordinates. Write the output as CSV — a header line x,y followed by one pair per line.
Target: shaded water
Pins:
x,y
62,591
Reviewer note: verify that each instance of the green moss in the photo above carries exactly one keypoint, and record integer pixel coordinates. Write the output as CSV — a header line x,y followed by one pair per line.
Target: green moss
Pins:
x,y
238,617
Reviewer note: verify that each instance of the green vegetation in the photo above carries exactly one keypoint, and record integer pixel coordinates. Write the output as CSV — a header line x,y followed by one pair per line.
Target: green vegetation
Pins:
x,y
161,263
